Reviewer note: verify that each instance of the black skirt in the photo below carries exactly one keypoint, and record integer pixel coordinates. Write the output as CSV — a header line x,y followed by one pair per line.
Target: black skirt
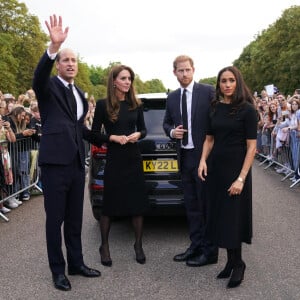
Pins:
x,y
124,183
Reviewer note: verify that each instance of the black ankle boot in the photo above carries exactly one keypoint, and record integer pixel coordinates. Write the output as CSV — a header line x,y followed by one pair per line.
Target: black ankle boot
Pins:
x,y
139,254
237,275
105,257
226,272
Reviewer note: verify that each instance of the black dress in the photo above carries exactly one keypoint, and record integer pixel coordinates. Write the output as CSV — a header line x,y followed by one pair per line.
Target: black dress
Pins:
x,y
230,217
124,183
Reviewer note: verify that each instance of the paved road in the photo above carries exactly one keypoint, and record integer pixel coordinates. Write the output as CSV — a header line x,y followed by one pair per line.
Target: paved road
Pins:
x,y
273,260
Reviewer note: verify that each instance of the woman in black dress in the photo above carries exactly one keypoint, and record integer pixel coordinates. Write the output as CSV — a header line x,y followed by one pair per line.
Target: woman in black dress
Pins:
x,y
121,117
230,147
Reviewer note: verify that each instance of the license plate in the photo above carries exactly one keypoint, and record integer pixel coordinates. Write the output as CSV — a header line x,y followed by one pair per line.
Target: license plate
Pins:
x,y
160,165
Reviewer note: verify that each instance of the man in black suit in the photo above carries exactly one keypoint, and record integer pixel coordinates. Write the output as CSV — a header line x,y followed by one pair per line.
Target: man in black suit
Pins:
x,y
185,120
61,155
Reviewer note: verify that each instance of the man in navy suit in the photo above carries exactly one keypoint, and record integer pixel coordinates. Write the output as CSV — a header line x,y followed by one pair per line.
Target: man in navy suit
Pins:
x,y
61,155
187,124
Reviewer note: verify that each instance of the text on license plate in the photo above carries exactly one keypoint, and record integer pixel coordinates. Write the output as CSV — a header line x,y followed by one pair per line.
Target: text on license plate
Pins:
x,y
160,165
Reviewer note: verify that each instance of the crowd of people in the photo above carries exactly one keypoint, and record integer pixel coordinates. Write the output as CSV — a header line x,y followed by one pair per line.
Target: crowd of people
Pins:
x,y
278,130
15,143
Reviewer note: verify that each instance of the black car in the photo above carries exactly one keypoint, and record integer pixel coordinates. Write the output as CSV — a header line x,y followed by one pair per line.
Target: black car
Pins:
x,y
159,163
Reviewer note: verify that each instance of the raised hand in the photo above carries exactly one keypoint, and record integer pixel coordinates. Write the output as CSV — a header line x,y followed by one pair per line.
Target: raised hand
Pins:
x,y
56,32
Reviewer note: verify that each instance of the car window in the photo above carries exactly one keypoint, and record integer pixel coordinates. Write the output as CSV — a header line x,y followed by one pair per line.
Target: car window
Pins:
x,y
154,121
154,112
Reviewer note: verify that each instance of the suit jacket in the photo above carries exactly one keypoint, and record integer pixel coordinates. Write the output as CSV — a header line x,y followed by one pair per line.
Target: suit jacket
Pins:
x,y
201,99
62,134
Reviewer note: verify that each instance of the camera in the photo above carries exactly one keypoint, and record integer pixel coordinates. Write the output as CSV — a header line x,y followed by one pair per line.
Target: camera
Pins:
x,y
37,128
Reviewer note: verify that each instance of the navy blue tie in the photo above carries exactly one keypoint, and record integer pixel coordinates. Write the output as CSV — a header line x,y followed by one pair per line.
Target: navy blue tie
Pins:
x,y
73,102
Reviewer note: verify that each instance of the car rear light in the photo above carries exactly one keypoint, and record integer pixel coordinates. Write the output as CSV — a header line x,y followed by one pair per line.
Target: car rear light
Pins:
x,y
96,187
98,150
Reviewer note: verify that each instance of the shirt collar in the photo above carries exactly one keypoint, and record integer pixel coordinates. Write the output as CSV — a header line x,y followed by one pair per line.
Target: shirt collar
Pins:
x,y
189,88
65,83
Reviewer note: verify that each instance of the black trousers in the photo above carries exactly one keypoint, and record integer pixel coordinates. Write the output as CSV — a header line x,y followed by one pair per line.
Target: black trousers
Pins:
x,y
63,188
195,202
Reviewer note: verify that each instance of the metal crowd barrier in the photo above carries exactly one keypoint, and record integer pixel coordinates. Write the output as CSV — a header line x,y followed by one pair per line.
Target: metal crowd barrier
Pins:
x,y
286,157
19,169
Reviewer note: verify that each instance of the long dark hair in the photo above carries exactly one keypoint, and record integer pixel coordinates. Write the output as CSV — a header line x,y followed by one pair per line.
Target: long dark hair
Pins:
x,y
241,94
20,125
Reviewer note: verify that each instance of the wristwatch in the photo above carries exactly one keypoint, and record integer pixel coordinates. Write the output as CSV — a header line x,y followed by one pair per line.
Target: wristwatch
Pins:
x,y
240,179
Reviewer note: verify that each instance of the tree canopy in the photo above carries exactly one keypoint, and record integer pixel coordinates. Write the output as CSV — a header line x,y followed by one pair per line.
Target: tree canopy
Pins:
x,y
22,43
273,57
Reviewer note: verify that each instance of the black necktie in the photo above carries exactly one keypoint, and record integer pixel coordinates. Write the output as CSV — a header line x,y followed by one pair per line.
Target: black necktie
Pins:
x,y
184,116
73,102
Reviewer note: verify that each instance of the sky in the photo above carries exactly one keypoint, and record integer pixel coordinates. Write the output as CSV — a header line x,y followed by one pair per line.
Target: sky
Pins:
x,y
148,35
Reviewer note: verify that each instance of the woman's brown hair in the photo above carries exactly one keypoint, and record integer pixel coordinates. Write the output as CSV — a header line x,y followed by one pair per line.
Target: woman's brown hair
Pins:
x,y
112,102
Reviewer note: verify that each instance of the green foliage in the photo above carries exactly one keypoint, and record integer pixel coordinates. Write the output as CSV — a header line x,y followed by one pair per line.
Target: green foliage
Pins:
x,y
150,86
273,58
8,64
97,75
98,91
82,79
154,86
212,81
22,43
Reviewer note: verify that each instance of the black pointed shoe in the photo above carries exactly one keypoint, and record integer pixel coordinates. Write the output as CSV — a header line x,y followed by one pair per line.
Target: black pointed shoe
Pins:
x,y
61,282
237,275
105,259
226,272
202,260
84,271
189,253
139,254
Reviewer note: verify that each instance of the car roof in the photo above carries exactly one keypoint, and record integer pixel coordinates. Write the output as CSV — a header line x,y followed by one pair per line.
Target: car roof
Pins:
x,y
153,96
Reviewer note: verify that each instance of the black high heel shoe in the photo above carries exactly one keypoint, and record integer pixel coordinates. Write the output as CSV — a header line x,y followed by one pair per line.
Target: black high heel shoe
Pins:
x,y
237,275
226,272
105,258
139,254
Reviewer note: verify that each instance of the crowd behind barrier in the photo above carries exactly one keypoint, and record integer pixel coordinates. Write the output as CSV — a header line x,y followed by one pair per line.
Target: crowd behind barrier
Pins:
x,y
278,139
19,172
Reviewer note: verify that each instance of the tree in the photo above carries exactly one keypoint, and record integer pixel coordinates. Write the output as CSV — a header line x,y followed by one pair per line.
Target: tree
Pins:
x,y
154,86
273,58
211,81
97,74
83,77
24,42
8,64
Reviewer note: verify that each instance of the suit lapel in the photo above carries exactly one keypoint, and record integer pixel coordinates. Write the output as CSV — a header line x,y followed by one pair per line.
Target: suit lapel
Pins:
x,y
178,110
195,100
66,104
84,102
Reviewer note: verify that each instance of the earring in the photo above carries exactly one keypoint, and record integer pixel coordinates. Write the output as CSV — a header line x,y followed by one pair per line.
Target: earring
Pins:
x,y
114,86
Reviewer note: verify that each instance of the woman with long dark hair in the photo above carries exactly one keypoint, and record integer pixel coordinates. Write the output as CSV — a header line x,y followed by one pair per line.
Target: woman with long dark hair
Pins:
x,y
230,147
